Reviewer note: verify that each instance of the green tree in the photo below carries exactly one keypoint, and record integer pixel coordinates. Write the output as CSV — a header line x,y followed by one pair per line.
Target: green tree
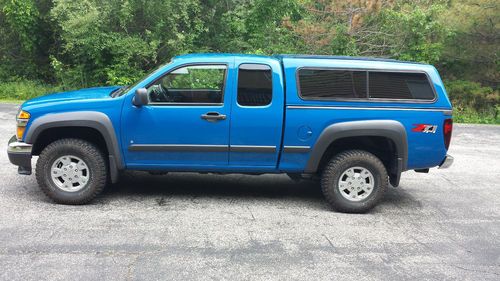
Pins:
x,y
19,38
473,52
115,41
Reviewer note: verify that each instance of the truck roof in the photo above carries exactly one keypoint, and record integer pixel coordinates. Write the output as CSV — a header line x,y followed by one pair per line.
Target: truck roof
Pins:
x,y
344,58
296,56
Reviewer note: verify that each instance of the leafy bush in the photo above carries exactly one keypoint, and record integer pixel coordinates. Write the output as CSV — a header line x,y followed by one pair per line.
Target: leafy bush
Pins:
x,y
473,103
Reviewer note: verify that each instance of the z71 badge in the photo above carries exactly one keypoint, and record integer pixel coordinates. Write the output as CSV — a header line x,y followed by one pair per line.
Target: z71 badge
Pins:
x,y
424,128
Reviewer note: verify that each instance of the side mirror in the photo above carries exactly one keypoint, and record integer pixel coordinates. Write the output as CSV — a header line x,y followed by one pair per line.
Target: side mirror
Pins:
x,y
140,97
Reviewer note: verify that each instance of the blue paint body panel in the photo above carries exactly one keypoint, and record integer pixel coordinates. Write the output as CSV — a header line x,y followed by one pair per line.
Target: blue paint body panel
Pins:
x,y
258,125
289,121
176,124
424,150
92,99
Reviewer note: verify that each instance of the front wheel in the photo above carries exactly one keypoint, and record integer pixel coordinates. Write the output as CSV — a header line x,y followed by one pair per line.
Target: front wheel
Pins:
x,y
354,181
71,171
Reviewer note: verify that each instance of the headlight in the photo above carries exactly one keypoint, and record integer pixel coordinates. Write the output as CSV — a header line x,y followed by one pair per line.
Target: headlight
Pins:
x,y
22,119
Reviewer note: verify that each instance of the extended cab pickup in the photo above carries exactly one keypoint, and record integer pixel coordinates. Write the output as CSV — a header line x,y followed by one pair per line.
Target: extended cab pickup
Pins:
x,y
355,123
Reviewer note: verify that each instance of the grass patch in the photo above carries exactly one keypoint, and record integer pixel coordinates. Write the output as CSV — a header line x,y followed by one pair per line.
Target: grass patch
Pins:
x,y
24,90
473,117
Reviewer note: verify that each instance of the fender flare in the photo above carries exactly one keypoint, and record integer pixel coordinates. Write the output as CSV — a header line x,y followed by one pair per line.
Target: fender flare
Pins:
x,y
90,119
390,129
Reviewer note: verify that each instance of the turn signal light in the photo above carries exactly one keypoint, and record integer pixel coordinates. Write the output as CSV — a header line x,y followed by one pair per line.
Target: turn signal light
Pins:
x,y
20,132
22,119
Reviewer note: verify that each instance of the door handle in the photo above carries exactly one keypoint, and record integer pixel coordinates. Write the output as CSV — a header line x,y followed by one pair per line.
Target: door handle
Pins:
x,y
213,116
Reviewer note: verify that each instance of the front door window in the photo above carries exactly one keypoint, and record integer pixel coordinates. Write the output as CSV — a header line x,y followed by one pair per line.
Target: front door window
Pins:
x,y
195,84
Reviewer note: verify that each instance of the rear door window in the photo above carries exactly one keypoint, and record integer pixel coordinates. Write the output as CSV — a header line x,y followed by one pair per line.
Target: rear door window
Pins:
x,y
255,86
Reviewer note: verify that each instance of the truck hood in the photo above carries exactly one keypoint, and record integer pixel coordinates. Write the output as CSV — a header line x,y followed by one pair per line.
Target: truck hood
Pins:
x,y
83,94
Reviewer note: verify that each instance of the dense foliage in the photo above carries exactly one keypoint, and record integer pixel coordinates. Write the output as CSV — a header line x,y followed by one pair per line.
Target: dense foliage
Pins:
x,y
73,44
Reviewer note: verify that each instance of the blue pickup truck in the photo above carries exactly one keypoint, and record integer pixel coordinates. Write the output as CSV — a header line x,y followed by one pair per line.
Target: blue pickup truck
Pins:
x,y
353,123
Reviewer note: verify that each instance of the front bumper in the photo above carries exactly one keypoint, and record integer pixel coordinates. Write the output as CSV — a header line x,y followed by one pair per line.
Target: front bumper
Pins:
x,y
20,155
448,160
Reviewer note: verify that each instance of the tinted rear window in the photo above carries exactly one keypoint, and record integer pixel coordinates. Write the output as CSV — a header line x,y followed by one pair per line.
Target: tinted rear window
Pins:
x,y
328,84
396,85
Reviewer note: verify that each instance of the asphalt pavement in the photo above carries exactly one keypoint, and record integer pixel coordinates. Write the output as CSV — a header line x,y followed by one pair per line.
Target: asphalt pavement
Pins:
x,y
444,225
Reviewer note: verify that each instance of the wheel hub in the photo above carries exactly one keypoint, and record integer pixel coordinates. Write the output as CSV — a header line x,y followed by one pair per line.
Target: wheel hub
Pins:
x,y
70,173
356,183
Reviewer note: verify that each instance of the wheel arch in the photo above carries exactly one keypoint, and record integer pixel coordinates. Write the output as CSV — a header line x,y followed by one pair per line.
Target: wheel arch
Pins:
x,y
84,122
354,135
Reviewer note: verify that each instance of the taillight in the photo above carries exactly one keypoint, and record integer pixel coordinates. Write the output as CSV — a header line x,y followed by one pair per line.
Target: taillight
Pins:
x,y
447,129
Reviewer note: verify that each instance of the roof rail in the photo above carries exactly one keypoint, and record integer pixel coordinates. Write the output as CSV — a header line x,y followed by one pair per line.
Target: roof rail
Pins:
x,y
281,56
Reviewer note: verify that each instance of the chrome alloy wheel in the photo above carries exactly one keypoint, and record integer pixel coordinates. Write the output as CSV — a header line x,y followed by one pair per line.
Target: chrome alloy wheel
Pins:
x,y
356,183
70,173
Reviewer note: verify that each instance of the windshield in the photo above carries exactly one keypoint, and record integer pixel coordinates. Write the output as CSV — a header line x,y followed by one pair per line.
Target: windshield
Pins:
x,y
121,91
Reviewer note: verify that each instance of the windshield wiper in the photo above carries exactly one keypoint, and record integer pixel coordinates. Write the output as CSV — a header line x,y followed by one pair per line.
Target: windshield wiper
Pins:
x,y
118,92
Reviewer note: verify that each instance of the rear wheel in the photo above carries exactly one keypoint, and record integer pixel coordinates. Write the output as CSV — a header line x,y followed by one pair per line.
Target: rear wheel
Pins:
x,y
71,171
354,181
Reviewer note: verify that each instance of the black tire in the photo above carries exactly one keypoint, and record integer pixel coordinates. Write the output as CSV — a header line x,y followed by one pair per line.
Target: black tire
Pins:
x,y
84,150
342,162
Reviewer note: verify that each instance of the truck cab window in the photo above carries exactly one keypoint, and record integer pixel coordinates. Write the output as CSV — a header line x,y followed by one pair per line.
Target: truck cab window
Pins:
x,y
190,84
255,87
